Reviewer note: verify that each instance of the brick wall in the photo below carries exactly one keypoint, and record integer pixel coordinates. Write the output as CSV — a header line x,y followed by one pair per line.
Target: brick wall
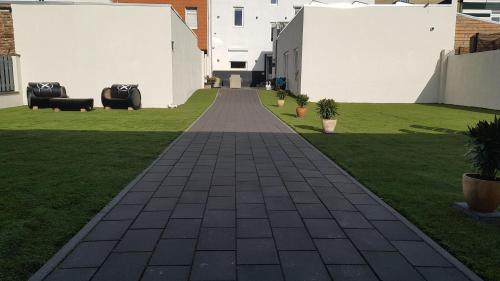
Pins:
x,y
6,31
468,26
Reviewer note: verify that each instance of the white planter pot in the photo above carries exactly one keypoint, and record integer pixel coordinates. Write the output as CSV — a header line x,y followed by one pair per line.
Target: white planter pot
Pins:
x,y
329,125
281,103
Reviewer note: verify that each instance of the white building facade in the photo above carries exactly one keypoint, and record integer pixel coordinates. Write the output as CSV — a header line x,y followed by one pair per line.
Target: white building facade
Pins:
x,y
241,36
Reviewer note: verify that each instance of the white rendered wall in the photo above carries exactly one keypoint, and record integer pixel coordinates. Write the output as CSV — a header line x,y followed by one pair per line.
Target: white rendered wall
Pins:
x,y
187,59
287,44
374,53
474,80
87,47
253,40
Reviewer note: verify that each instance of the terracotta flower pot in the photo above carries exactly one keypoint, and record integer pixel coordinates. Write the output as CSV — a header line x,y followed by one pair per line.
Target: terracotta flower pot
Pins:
x,y
301,111
481,195
281,103
329,125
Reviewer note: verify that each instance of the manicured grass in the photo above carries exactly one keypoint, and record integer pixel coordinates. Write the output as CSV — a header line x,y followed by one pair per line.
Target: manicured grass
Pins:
x,y
411,155
57,170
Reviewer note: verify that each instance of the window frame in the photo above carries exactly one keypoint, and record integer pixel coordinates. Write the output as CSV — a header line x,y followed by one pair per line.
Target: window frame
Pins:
x,y
273,4
187,11
231,65
242,9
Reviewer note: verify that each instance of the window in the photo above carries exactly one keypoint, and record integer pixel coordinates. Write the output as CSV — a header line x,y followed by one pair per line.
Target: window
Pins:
x,y
192,17
274,2
238,16
239,64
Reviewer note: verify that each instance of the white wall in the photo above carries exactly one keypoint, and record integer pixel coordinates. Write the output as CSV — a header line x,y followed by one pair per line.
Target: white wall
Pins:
x,y
474,80
187,67
288,44
250,42
374,53
87,47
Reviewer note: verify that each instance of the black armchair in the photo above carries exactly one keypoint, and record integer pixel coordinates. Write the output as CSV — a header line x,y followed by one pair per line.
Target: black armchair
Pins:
x,y
121,96
53,95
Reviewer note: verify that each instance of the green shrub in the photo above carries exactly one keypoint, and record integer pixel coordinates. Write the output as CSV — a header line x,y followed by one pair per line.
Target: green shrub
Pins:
x,y
484,148
327,108
281,94
302,100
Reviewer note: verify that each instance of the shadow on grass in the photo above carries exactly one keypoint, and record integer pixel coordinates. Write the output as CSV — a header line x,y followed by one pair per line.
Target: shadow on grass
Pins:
x,y
464,108
438,129
310,128
53,181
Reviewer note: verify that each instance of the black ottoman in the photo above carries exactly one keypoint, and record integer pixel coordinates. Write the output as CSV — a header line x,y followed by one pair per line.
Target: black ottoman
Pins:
x,y
72,104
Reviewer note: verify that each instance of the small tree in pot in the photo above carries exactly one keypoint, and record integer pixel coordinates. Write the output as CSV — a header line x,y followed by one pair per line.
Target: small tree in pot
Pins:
x,y
281,97
482,190
302,101
328,110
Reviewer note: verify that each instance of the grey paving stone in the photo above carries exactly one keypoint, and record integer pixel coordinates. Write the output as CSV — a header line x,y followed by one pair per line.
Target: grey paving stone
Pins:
x,y
123,267
375,212
256,251
123,212
188,211
349,188
442,274
223,191
285,219
420,253
224,180
139,240
323,228
108,230
160,204
145,186
197,185
166,273
311,173
260,273
155,177
271,181
248,186
338,251
217,239
338,178
318,182
219,218
288,239
395,230
179,172
360,199
304,198
351,219
313,211
352,273
368,240
335,203
214,265
249,197
151,219
303,266
246,176
279,204
174,181
193,197
160,169
253,228
182,228
174,252
274,191
169,191
253,211
392,266
88,254
73,274
221,203
297,186
136,198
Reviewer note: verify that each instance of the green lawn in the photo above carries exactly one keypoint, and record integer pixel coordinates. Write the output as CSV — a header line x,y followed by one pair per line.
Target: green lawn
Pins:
x,y
411,155
57,170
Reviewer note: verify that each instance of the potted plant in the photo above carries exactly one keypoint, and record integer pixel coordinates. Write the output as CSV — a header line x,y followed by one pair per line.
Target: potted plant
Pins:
x,y
482,189
210,81
328,110
302,101
281,97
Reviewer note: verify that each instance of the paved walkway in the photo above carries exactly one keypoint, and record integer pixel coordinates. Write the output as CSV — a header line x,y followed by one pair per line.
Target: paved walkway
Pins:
x,y
241,197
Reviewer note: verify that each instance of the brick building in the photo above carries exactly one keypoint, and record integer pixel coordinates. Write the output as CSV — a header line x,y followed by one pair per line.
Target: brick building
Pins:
x,y
194,13
6,31
467,26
